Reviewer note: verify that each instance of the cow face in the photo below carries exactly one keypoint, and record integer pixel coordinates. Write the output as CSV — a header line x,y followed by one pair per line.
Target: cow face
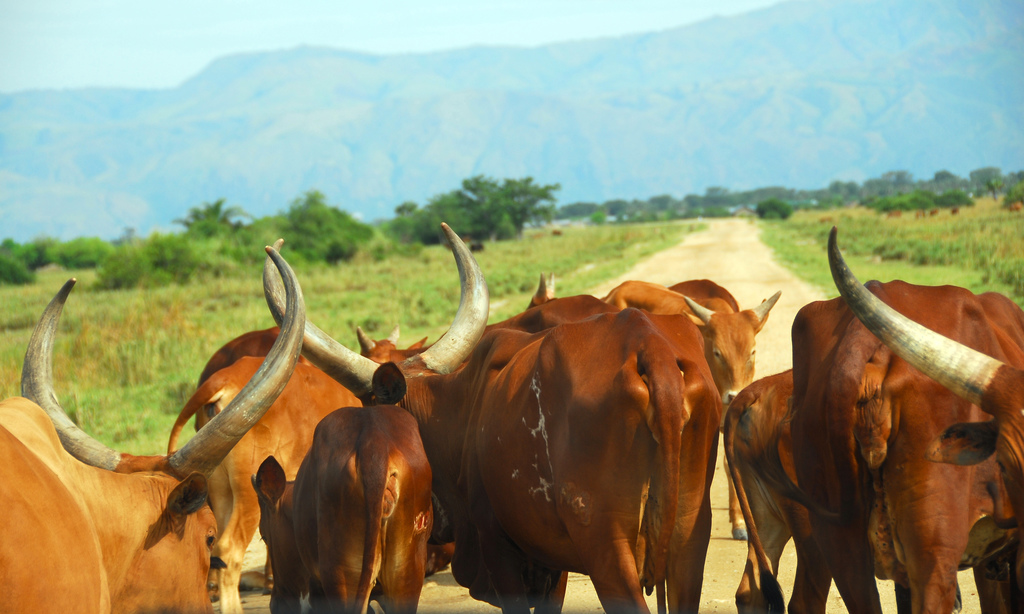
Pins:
x,y
168,572
274,493
730,352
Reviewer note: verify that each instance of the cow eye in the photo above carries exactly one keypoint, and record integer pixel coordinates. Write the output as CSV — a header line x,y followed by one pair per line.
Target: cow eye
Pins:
x,y
209,540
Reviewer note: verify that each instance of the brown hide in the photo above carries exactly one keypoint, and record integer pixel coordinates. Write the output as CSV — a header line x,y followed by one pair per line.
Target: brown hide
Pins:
x,y
703,290
77,538
252,343
874,497
358,514
728,333
756,434
136,529
547,420
284,432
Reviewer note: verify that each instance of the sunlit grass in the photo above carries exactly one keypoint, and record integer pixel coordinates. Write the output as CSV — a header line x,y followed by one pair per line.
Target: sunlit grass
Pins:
x,y
981,248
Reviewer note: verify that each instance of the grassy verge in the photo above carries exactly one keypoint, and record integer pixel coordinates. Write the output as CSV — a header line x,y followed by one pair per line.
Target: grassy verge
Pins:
x,y
127,360
981,248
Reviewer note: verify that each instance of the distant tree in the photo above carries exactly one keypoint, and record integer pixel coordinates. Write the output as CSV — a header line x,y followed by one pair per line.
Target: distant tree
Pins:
x,y
318,231
577,210
980,177
526,202
406,209
598,217
13,271
212,219
774,209
80,253
994,185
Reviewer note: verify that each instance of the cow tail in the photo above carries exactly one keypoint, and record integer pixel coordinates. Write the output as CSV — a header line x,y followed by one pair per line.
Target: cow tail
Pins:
x,y
770,588
204,395
768,466
380,494
665,390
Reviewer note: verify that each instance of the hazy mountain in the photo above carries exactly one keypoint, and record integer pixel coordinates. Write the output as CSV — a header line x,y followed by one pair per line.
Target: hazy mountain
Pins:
x,y
797,94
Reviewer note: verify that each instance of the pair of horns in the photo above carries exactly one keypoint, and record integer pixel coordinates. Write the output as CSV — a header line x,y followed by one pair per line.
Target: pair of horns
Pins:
x,y
213,442
355,371
761,311
965,372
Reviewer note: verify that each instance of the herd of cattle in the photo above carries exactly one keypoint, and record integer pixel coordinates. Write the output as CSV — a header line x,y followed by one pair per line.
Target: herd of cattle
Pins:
x,y
580,435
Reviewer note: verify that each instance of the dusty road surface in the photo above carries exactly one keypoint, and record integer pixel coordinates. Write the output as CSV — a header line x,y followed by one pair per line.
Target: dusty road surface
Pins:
x,y
731,254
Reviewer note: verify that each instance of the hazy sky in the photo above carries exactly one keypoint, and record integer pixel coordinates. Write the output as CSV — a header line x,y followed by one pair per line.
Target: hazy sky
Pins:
x,y
157,44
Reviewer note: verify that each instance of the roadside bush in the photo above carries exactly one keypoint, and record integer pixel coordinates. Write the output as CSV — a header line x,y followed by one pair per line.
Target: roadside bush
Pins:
x,y
774,209
14,272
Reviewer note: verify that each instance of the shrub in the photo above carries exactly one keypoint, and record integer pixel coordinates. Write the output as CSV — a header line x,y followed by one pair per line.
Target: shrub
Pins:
x,y
318,231
81,253
953,198
159,260
1014,194
774,209
14,272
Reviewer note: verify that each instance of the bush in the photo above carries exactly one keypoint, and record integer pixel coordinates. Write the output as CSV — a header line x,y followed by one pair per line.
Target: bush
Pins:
x,y
159,260
320,232
953,198
1014,194
82,253
774,209
14,272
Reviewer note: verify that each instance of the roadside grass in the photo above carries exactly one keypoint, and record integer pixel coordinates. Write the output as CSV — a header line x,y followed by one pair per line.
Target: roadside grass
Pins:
x,y
125,361
981,248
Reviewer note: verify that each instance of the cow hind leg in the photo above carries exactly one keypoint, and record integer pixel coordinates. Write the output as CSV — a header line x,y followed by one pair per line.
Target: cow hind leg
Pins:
x,y
232,544
739,526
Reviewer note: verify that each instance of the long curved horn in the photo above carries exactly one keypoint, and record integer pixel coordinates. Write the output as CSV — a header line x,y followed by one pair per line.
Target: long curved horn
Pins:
x,y
964,371
212,443
761,311
698,310
37,385
355,372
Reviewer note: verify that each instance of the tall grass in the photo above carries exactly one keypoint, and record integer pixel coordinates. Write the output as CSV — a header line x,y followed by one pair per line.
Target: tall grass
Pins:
x,y
981,248
127,360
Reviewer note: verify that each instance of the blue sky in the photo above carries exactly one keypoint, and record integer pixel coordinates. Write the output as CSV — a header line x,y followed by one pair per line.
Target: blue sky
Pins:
x,y
150,44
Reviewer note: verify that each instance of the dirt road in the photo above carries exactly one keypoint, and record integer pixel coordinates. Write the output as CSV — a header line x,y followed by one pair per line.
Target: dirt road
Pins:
x,y
731,254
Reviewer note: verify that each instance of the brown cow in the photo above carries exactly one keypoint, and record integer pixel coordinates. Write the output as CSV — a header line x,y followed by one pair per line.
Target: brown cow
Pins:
x,y
252,343
386,350
983,368
90,529
285,431
863,421
564,407
357,515
729,338
755,428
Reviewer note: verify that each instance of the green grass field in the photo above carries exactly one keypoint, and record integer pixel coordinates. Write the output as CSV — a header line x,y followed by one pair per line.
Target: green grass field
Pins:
x,y
126,361
981,248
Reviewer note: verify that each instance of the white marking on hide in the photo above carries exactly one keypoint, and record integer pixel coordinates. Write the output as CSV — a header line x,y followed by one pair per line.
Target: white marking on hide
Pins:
x,y
515,473
545,486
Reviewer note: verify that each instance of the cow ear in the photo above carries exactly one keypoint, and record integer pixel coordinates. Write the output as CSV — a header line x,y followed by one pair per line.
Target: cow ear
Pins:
x,y
269,480
388,384
188,496
965,443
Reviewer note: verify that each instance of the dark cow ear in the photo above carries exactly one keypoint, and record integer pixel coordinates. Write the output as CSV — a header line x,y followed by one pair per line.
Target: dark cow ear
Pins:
x,y
269,480
965,443
388,384
188,496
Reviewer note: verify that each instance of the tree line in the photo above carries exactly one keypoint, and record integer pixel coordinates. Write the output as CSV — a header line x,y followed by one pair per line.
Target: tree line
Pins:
x,y
217,238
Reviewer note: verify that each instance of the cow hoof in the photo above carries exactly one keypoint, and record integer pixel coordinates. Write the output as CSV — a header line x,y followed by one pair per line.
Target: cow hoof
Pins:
x,y
739,534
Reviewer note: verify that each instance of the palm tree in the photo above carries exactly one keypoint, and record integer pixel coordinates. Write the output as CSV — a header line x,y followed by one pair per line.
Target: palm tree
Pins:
x,y
210,219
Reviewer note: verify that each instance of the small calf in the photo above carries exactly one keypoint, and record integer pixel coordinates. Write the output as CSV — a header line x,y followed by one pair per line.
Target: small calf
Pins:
x,y
357,515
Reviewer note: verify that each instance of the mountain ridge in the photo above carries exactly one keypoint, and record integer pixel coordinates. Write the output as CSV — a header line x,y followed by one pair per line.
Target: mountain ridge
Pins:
x,y
798,93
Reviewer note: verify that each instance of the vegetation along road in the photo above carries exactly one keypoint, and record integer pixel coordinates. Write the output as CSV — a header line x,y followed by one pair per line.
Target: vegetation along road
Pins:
x,y
731,253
